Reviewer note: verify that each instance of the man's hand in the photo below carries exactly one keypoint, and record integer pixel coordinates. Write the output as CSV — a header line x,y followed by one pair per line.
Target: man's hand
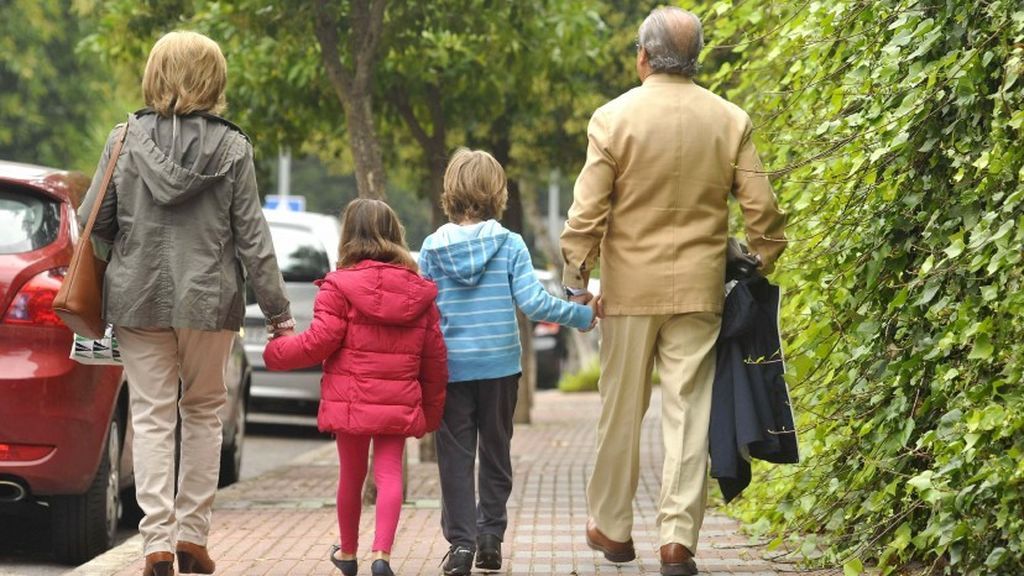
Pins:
x,y
583,298
597,304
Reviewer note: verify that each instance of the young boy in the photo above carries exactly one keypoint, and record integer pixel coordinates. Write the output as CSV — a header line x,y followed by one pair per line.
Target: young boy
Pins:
x,y
483,272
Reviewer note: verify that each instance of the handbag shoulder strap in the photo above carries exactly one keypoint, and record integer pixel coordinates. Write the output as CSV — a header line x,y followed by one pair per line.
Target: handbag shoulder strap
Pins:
x,y
108,173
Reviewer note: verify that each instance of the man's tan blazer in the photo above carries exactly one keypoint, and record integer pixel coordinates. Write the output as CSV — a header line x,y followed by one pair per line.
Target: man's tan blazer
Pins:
x,y
652,199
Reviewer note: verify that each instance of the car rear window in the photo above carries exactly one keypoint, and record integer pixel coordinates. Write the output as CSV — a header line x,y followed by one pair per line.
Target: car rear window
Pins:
x,y
27,221
300,254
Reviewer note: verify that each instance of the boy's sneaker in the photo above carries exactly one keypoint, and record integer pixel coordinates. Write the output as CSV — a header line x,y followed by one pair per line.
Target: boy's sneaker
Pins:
x,y
458,561
488,552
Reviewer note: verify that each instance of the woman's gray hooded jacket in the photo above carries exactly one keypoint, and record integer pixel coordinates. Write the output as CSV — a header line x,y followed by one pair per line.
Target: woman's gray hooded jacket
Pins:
x,y
180,220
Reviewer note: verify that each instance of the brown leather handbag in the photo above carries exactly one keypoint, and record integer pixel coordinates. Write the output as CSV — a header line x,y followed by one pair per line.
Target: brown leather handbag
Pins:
x,y
79,302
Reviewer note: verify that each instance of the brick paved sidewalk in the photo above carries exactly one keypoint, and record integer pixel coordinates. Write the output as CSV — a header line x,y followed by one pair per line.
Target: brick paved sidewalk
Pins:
x,y
283,522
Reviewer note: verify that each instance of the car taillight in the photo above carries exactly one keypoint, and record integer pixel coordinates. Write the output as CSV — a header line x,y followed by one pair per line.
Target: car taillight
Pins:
x,y
23,452
33,304
546,329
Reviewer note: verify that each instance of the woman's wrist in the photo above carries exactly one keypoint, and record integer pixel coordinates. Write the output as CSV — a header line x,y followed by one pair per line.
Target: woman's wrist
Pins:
x,y
281,325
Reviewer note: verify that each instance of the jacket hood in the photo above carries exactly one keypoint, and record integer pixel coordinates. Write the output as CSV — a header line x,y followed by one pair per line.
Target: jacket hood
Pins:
x,y
178,157
387,293
462,252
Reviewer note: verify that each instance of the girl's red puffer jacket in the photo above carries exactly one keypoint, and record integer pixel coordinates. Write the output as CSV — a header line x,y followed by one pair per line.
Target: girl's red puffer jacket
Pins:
x,y
376,330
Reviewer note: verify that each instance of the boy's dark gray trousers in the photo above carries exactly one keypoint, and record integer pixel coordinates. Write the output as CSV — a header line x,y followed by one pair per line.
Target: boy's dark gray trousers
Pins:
x,y
477,417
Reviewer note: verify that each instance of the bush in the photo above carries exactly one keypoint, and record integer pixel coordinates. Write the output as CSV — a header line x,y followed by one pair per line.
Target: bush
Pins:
x,y
586,379
583,381
895,128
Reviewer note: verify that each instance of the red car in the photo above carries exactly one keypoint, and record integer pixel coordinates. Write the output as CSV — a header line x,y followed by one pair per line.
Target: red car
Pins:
x,y
63,425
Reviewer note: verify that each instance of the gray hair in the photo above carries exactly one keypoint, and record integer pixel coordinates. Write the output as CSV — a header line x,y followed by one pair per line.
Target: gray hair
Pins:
x,y
673,39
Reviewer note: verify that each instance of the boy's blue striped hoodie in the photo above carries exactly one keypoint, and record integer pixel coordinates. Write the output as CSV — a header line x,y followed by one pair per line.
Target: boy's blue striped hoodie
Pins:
x,y
484,271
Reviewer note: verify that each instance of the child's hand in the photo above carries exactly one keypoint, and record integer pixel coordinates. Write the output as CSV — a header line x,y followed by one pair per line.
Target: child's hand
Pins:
x,y
593,324
597,310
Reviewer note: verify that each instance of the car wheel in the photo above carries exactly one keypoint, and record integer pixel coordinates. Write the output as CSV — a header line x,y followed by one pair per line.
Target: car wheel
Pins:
x,y
231,450
85,525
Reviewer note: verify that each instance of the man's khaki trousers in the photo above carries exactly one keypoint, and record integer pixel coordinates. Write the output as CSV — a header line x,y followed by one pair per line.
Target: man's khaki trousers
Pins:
x,y
154,360
682,346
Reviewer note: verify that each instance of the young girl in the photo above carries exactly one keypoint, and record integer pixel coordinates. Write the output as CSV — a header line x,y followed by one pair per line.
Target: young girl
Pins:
x,y
376,330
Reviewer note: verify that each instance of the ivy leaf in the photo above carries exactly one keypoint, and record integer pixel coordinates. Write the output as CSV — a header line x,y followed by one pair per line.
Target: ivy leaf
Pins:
x,y
922,481
995,558
955,249
853,567
989,293
982,348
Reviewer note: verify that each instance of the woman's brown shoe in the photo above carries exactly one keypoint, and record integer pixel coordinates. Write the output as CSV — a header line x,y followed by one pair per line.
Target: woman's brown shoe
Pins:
x,y
194,559
159,564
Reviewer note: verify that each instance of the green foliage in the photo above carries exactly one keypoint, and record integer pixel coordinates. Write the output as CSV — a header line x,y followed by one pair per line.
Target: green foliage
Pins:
x,y
583,381
53,102
587,378
895,128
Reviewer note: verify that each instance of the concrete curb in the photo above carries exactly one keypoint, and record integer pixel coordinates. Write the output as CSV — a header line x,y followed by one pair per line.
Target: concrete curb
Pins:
x,y
129,551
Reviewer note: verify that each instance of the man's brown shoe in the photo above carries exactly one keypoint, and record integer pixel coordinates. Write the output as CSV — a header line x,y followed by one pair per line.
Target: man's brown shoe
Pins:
x,y
159,564
612,550
677,560
194,559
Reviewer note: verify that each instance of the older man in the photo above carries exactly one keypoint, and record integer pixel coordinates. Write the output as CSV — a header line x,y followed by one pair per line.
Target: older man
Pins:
x,y
652,203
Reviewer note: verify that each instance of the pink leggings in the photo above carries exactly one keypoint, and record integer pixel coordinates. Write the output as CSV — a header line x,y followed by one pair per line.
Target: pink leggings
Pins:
x,y
387,471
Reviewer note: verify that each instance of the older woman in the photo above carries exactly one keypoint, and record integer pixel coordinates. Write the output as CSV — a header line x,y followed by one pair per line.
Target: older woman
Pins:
x,y
180,219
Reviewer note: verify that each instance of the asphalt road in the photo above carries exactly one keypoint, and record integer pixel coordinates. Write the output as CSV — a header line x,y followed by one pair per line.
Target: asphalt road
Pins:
x,y
24,536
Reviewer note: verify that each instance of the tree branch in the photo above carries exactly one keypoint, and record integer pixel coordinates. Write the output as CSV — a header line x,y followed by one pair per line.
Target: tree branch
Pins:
x,y
435,104
367,27
326,29
400,101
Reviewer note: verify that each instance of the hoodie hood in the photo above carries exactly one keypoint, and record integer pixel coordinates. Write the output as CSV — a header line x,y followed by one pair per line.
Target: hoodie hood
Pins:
x,y
463,252
386,293
178,157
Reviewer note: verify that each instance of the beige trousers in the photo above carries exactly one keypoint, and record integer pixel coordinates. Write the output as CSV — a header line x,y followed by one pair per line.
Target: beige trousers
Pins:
x,y
154,361
683,346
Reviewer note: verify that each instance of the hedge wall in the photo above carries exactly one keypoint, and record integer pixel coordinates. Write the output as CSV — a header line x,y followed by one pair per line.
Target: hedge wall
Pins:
x,y
894,130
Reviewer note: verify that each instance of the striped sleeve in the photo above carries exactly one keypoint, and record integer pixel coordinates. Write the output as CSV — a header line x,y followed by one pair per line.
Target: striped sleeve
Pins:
x,y
531,297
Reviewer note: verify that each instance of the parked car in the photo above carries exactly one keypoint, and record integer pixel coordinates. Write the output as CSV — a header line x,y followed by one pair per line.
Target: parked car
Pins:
x,y
64,427
550,348
306,244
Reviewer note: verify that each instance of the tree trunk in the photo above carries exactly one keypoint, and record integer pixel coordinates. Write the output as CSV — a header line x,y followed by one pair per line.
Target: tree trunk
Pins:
x,y
371,179
433,146
501,146
528,382
353,84
437,163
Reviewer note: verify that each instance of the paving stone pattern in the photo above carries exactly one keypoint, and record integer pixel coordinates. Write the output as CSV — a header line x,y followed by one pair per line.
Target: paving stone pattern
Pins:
x,y
283,523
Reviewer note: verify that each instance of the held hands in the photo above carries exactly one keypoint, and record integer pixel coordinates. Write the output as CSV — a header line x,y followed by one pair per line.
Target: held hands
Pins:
x,y
280,333
583,298
588,299
284,328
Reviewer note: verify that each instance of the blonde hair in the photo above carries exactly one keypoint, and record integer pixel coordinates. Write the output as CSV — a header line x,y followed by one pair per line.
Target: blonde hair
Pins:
x,y
370,230
474,186
186,72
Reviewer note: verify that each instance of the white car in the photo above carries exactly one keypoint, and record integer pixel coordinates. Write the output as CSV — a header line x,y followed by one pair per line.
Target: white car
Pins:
x,y
306,244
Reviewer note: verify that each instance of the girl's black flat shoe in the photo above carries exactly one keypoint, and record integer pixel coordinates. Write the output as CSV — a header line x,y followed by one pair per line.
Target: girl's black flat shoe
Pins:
x,y
347,567
380,567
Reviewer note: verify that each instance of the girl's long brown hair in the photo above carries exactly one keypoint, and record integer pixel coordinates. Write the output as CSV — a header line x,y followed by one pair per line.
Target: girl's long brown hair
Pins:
x,y
370,230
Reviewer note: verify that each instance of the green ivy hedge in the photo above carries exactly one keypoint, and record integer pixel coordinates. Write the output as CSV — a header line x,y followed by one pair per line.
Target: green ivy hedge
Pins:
x,y
895,129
